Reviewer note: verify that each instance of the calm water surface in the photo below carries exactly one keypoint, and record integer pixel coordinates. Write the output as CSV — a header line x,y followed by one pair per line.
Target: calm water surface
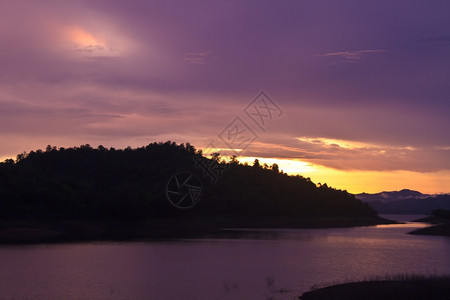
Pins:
x,y
259,264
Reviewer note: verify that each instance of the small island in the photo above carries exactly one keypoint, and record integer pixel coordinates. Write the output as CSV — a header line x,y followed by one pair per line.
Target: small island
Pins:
x,y
85,193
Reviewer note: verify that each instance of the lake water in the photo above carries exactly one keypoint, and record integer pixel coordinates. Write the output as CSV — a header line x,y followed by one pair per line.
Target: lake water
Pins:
x,y
260,264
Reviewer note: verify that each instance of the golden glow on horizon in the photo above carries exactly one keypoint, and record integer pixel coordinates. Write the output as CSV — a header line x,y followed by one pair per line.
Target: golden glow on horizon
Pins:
x,y
358,181
208,151
289,166
3,158
354,181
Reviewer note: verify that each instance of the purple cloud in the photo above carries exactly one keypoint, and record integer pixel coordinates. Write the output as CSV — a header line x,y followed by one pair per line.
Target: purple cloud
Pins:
x,y
125,73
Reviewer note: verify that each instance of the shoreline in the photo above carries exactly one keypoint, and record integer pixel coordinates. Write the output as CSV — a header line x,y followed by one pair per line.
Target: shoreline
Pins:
x,y
400,287
436,230
439,226
35,231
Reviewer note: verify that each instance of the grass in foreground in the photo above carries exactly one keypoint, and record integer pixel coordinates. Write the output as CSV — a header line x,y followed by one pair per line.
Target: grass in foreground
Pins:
x,y
397,287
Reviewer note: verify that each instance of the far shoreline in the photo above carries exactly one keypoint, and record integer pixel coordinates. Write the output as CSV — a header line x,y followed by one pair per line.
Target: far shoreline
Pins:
x,y
36,231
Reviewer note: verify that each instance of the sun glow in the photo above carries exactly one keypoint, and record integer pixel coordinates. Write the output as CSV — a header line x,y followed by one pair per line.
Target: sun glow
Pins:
x,y
93,42
82,38
360,181
290,166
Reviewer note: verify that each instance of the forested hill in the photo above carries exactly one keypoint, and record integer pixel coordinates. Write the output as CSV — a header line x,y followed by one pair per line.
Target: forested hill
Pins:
x,y
100,183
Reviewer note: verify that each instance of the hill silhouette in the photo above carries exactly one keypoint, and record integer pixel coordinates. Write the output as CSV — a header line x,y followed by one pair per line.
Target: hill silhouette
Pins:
x,y
82,193
83,182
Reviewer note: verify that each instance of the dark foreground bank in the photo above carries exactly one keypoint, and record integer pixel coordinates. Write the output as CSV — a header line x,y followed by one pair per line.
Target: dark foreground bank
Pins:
x,y
399,287
440,219
441,229
59,231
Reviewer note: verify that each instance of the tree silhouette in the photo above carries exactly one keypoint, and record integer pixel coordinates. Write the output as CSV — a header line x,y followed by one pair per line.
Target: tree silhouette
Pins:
x,y
83,182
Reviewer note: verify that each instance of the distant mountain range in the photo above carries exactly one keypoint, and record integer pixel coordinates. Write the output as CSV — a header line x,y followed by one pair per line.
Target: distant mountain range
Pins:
x,y
405,202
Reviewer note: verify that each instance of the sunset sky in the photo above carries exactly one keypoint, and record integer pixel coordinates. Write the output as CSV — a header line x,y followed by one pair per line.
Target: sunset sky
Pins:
x,y
362,88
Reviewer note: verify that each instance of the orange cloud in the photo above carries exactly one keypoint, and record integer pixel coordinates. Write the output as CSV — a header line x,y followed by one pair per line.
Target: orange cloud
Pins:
x,y
83,38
